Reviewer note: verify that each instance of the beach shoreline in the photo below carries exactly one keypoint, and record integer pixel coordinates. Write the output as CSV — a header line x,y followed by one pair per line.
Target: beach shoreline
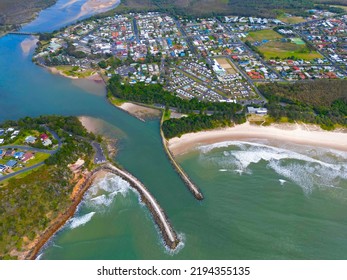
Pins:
x,y
302,134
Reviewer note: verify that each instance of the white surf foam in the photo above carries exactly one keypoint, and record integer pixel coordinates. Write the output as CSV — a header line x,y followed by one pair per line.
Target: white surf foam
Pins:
x,y
102,193
80,221
182,238
282,181
39,257
306,166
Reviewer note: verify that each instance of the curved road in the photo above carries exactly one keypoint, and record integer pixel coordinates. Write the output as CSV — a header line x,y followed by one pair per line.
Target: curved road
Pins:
x,y
28,148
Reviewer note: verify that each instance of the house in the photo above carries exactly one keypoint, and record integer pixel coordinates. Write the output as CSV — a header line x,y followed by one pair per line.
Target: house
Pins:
x,y
18,155
2,153
9,153
257,111
3,168
47,142
2,141
27,156
43,137
2,131
11,163
30,139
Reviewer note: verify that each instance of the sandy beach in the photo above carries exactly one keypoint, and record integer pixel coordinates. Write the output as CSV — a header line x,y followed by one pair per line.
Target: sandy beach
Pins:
x,y
96,6
290,133
140,112
89,123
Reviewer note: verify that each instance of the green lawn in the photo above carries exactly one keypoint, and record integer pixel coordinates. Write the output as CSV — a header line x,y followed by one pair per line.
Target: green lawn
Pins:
x,y
267,34
284,50
70,71
39,157
291,20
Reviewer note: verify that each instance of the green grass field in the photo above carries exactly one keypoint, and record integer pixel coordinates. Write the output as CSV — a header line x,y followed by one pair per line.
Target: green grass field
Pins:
x,y
291,20
267,34
276,48
69,71
284,50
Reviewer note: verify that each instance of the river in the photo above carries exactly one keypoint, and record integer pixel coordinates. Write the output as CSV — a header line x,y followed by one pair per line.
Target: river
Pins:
x,y
262,200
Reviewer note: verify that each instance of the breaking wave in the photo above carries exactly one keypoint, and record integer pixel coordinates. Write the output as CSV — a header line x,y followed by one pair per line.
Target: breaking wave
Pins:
x,y
308,167
99,197
80,221
102,193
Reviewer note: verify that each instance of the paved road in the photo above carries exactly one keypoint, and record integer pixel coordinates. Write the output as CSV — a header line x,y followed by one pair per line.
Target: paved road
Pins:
x,y
99,153
136,31
28,148
21,171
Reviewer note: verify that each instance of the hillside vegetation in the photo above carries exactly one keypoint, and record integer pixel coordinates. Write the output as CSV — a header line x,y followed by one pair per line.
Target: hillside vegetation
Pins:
x,y
13,13
265,8
322,102
28,204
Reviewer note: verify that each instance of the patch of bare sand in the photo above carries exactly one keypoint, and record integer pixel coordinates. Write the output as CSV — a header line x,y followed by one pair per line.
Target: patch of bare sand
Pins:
x,y
300,134
140,112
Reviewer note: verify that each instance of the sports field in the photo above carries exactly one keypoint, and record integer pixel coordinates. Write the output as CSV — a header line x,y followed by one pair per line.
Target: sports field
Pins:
x,y
291,20
273,45
267,34
285,50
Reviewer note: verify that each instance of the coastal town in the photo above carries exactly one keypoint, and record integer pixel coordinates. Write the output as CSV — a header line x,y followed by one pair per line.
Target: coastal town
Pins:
x,y
221,59
241,110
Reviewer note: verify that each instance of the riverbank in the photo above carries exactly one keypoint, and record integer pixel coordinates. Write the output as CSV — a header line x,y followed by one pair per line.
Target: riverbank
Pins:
x,y
295,133
139,111
91,75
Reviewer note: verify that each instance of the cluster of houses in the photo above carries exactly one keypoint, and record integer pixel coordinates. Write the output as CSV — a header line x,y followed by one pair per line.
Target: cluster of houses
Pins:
x,y
241,25
12,158
155,25
254,67
329,36
145,73
188,88
195,43
44,138
303,70
202,27
8,134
